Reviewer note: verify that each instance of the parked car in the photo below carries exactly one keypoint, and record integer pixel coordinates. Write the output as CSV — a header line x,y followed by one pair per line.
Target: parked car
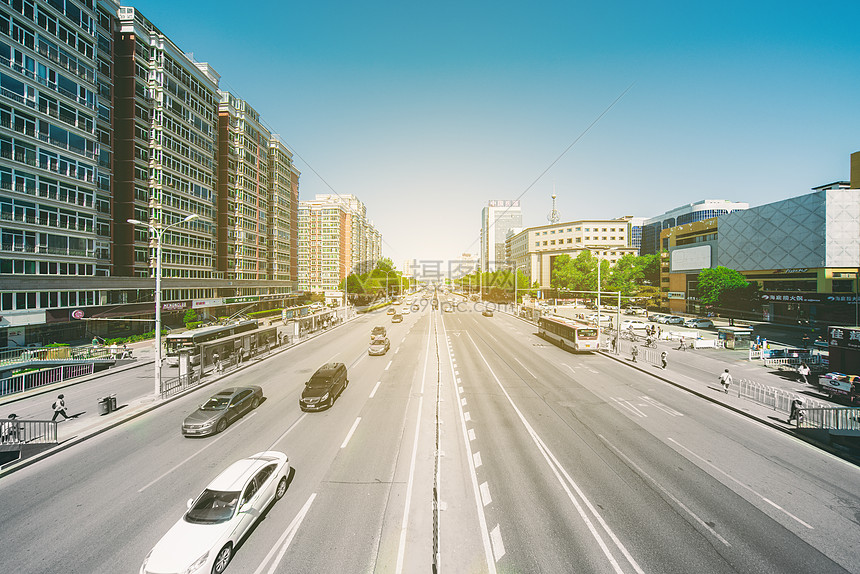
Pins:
x,y
222,409
324,386
397,318
379,346
655,317
378,331
673,320
221,516
632,324
699,323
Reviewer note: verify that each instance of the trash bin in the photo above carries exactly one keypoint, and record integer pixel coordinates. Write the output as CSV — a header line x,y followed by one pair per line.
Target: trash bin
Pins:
x,y
112,403
104,405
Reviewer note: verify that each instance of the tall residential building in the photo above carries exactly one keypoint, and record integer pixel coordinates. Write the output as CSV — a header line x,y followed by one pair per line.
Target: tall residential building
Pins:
x,y
684,214
54,227
335,239
283,214
104,119
534,249
243,191
497,218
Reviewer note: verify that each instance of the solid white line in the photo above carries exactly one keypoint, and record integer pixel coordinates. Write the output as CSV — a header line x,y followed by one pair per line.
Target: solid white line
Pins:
x,y
526,368
388,365
482,519
286,538
666,409
349,434
373,392
742,485
701,522
404,524
223,434
485,494
498,546
292,426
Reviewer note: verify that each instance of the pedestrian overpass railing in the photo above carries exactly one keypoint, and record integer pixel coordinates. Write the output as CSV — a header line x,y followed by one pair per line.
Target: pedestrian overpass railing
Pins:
x,y
26,381
15,432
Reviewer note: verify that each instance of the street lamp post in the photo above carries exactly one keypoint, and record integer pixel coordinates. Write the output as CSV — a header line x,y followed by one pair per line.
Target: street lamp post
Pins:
x,y
156,229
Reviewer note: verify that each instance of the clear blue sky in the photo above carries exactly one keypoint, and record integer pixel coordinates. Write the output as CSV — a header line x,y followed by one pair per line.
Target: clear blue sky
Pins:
x,y
425,111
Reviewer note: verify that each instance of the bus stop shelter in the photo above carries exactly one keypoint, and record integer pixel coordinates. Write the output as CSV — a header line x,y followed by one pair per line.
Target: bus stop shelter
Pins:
x,y
735,337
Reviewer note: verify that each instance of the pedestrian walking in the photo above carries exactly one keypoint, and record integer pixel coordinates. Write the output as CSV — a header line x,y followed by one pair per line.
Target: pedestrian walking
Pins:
x,y
794,414
682,346
803,371
635,352
726,380
659,331
95,341
113,350
805,341
59,407
664,359
9,429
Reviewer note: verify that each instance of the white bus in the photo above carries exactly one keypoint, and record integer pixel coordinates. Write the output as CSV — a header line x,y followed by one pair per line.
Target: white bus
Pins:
x,y
569,334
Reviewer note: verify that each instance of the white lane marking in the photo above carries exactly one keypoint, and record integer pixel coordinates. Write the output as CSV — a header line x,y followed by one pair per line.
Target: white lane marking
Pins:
x,y
482,519
396,350
456,372
476,458
565,480
401,546
664,491
349,434
332,358
292,426
376,386
590,370
467,416
458,380
742,485
498,546
286,538
485,494
388,365
666,409
176,466
460,389
629,406
471,434
463,401
525,367
493,338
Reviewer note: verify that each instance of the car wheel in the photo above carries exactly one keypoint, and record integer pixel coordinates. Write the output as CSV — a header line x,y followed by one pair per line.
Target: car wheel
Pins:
x,y
222,424
255,404
222,559
282,489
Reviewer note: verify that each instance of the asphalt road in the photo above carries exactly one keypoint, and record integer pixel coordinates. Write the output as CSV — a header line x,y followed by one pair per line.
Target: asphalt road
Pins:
x,y
472,444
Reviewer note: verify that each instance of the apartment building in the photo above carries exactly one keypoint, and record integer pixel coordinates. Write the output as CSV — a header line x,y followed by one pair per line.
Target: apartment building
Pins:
x,y
335,239
534,249
104,119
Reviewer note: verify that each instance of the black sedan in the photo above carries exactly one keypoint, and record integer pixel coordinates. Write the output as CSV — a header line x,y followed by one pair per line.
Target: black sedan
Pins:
x,y
222,409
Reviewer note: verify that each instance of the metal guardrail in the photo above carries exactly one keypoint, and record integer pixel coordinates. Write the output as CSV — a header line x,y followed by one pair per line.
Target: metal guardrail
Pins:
x,y
777,399
26,381
9,358
832,418
18,432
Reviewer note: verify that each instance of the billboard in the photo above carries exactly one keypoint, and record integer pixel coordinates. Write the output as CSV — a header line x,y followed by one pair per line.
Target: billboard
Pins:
x,y
691,258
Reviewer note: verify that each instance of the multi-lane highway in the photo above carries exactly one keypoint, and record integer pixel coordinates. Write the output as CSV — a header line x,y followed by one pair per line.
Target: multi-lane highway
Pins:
x,y
472,445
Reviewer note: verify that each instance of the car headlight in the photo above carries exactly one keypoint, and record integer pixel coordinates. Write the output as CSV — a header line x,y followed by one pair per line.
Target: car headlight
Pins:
x,y
324,397
208,423
195,566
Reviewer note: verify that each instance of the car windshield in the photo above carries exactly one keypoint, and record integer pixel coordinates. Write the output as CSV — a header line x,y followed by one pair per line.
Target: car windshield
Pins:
x,y
216,403
318,382
212,507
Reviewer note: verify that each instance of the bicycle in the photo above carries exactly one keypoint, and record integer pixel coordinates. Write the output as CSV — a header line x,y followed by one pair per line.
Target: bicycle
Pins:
x,y
650,343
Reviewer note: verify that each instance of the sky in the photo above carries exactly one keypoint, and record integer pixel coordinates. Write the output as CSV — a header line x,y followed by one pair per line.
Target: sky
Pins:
x,y
425,111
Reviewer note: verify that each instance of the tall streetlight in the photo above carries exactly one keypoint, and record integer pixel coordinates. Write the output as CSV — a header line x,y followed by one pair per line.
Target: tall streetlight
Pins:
x,y
157,231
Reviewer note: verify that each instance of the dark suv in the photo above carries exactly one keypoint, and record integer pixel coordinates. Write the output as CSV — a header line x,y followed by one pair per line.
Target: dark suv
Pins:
x,y
324,387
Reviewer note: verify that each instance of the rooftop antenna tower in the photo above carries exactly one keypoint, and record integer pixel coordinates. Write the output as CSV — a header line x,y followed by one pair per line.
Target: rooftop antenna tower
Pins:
x,y
554,216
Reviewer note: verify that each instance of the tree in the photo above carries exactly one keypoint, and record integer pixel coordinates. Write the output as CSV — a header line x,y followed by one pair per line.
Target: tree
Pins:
x,y
717,283
190,317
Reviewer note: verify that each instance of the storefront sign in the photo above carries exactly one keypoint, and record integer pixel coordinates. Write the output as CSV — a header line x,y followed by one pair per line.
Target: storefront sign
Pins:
x,y
788,297
199,303
175,306
246,299
676,295
843,337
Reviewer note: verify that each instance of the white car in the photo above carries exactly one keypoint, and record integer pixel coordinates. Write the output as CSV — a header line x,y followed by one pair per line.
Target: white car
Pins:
x,y
203,540
699,323
673,320
632,324
604,319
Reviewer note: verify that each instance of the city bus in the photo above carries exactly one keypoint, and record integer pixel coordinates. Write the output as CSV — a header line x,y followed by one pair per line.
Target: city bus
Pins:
x,y
193,338
568,334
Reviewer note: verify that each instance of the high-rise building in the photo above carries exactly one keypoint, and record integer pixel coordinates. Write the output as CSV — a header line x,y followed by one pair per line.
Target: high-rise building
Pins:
x,y
499,216
284,214
684,214
335,239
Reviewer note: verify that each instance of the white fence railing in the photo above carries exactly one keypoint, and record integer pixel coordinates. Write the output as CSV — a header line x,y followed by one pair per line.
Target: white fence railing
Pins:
x,y
26,381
